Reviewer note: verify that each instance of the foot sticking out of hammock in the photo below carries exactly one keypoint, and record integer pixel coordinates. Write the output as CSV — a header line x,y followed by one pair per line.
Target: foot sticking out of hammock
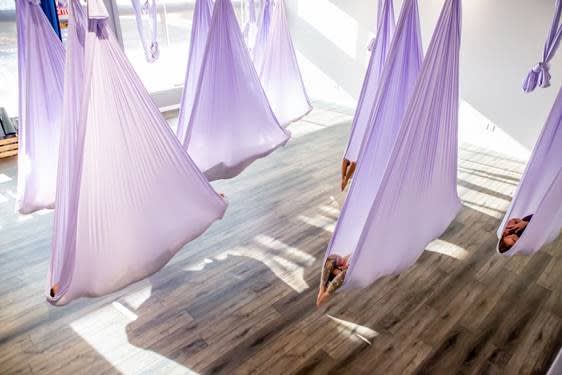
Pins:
x,y
333,275
347,170
512,232
54,290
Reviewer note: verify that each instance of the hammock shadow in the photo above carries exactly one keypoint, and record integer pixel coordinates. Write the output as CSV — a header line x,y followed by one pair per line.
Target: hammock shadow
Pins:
x,y
219,308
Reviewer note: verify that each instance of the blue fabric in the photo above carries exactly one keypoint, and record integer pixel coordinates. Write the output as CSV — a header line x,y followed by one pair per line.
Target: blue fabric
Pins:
x,y
50,9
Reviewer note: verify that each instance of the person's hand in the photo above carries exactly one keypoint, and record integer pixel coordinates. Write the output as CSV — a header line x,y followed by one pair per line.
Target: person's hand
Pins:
x,y
513,225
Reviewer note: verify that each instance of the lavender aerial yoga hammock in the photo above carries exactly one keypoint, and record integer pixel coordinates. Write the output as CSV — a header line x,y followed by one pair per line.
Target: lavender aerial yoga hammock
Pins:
x,y
539,75
420,175
199,33
280,75
379,47
258,52
387,108
150,47
540,190
40,70
232,123
129,196
251,28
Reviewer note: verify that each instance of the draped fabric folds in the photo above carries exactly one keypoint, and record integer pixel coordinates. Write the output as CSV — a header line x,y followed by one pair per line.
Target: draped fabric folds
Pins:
x,y
264,25
540,190
41,76
199,33
280,75
540,74
420,175
379,48
149,45
251,28
232,123
129,196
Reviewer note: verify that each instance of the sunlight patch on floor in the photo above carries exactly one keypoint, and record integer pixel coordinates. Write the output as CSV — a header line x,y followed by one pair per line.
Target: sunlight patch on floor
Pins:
x,y
354,331
447,248
286,270
105,331
319,221
4,178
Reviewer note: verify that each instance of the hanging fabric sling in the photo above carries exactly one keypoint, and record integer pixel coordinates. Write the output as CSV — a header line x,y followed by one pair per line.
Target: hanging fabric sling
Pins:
x,y
258,52
199,33
40,71
129,196
416,198
280,75
540,191
251,27
379,47
540,75
394,90
150,47
232,124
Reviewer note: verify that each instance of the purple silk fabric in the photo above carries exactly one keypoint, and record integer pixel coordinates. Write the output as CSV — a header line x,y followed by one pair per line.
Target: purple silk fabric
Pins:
x,y
199,33
540,190
379,50
150,46
420,175
540,75
397,83
232,123
556,368
264,25
41,77
130,195
280,75
251,27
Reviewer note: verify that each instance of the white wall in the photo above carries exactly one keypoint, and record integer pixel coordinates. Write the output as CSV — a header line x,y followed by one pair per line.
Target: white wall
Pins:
x,y
501,41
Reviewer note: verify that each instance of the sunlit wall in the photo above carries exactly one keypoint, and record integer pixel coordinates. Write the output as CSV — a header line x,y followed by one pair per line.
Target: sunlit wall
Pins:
x,y
501,40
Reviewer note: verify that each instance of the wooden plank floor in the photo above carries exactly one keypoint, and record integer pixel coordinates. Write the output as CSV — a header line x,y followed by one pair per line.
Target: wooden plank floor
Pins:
x,y
240,299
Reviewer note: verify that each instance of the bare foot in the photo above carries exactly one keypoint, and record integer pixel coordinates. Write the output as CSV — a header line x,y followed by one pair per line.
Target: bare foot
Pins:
x,y
349,175
54,290
344,166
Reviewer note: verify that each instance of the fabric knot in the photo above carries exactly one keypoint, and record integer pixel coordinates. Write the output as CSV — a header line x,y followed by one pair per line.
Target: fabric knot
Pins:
x,y
153,52
538,76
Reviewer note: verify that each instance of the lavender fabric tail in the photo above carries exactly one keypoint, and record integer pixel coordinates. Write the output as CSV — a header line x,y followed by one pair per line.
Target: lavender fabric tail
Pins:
x,y
420,175
199,33
232,124
280,75
40,71
540,74
130,196
150,47
540,190
264,25
379,49
251,28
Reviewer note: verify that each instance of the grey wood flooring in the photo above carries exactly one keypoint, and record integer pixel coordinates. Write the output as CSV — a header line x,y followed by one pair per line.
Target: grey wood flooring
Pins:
x,y
240,299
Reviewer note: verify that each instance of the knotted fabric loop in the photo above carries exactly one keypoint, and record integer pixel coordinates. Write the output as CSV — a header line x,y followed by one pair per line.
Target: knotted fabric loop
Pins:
x,y
540,75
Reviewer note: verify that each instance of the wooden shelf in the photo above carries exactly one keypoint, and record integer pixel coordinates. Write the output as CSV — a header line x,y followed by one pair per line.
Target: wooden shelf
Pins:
x,y
8,147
